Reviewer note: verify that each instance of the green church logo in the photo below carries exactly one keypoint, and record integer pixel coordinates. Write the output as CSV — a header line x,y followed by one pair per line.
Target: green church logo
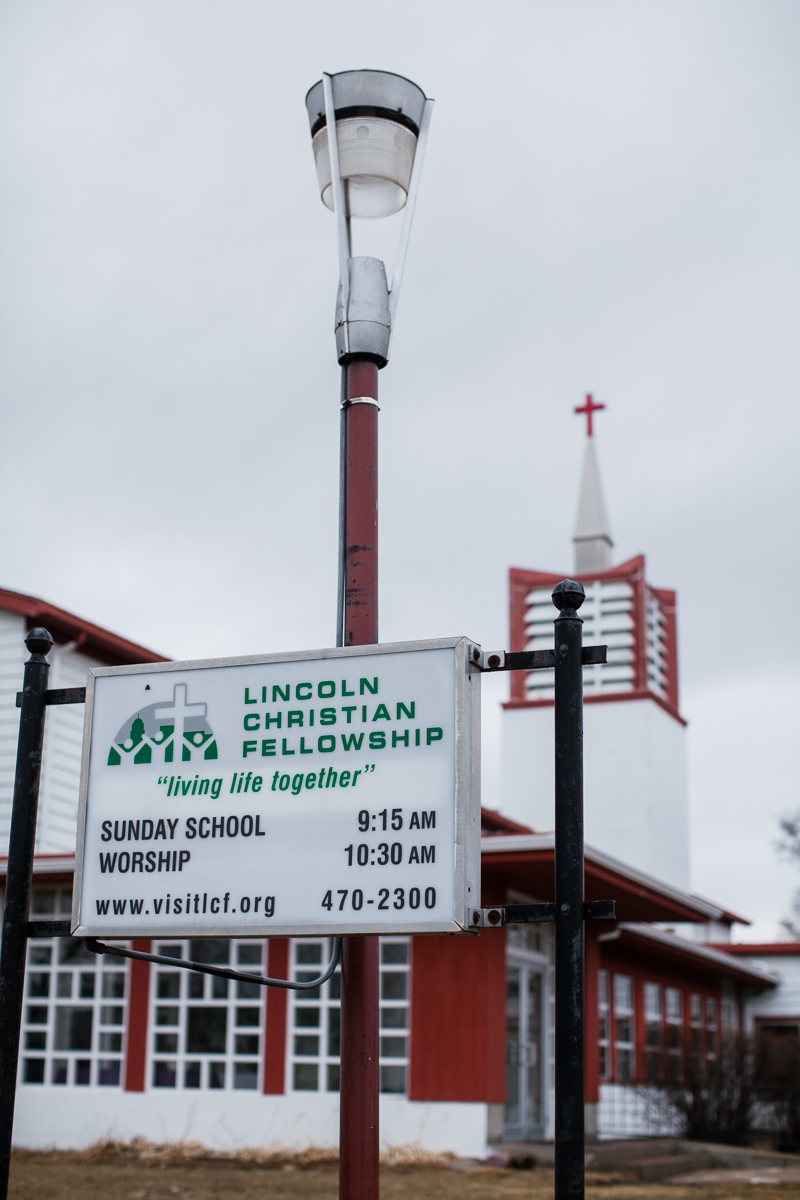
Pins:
x,y
165,732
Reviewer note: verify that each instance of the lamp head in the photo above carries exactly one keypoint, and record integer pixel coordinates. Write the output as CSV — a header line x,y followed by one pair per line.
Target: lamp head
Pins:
x,y
378,117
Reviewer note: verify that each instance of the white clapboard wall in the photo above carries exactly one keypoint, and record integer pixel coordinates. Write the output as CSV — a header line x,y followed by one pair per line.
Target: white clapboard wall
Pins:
x,y
58,793
12,656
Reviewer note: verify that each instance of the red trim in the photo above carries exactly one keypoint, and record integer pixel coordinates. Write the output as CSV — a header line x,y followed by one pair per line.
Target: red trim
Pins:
x,y
138,1006
639,613
591,1017
495,822
275,1036
41,857
66,627
728,917
753,949
668,601
615,699
680,958
639,1036
531,872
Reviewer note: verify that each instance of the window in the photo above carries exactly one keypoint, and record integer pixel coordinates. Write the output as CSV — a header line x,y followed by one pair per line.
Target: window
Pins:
x,y
712,1031
696,1035
728,1019
653,1019
73,1015
624,1029
206,1031
674,1034
604,1024
314,1018
51,902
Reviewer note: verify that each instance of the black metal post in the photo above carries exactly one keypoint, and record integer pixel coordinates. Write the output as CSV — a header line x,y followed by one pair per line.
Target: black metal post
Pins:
x,y
568,596
18,883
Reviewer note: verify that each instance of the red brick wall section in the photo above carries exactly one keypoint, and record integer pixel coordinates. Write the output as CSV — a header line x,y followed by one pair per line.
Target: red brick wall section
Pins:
x,y
458,1026
275,1036
138,1005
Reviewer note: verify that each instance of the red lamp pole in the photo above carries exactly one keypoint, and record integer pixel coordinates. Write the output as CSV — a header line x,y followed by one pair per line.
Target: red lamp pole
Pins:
x,y
360,1009
365,309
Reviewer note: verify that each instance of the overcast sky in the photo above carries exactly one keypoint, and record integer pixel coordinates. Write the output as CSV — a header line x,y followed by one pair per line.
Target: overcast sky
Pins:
x,y
609,204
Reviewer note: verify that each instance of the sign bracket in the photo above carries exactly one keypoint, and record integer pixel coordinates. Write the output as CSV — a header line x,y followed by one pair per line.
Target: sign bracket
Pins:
x,y
533,660
60,696
534,914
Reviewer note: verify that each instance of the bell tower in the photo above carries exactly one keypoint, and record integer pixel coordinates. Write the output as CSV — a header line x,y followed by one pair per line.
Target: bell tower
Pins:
x,y
635,776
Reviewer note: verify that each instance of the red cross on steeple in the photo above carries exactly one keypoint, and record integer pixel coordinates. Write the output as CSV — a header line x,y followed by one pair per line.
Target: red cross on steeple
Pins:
x,y
589,407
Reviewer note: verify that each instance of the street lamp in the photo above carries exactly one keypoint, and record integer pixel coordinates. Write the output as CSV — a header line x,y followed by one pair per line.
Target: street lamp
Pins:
x,y
371,168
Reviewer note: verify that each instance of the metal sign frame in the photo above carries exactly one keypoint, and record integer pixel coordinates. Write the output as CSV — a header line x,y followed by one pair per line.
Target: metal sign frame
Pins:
x,y
466,752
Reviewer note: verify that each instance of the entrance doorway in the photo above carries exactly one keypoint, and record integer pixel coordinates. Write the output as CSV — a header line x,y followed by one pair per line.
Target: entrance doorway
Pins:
x,y
525,1043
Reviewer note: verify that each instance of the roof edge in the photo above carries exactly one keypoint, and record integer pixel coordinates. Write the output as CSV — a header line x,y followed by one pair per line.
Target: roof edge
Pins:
x,y
66,626
697,949
756,949
705,910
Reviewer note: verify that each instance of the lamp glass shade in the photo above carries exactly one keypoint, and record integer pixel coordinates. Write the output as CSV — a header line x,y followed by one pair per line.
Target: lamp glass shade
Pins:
x,y
375,159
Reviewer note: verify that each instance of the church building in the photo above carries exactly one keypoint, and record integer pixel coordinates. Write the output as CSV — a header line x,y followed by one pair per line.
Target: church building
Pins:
x,y
114,1048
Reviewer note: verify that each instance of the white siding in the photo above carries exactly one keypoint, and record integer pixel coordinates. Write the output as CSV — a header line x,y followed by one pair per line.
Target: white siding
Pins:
x,y
12,657
61,764
635,782
782,1001
235,1120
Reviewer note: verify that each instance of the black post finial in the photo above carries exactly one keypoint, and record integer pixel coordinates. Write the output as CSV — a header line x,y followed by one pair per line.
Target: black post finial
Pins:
x,y
568,595
40,642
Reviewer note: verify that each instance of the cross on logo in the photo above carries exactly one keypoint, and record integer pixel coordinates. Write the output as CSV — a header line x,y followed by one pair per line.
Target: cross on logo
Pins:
x,y
165,732
177,713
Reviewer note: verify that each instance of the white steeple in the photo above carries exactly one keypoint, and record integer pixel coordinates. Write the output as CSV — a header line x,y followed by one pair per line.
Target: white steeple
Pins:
x,y
592,535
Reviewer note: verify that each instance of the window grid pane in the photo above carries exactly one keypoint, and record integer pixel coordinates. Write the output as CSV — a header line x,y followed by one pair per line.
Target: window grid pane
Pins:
x,y
674,1035
73,1013
653,1032
313,1044
624,1029
604,1023
207,1031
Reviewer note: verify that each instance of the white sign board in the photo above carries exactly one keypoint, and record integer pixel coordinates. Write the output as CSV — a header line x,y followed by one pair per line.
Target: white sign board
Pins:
x,y
335,791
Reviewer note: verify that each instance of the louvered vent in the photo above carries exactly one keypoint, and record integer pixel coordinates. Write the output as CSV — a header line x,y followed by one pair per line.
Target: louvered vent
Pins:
x,y
608,620
656,648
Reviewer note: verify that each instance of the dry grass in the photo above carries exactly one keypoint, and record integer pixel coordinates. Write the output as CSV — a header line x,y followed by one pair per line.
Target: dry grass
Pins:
x,y
141,1170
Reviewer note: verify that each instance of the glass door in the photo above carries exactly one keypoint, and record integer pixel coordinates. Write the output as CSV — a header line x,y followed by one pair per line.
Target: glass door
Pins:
x,y
524,1111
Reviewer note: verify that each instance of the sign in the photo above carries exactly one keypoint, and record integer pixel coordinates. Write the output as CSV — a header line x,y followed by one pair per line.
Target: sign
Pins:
x,y
328,792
